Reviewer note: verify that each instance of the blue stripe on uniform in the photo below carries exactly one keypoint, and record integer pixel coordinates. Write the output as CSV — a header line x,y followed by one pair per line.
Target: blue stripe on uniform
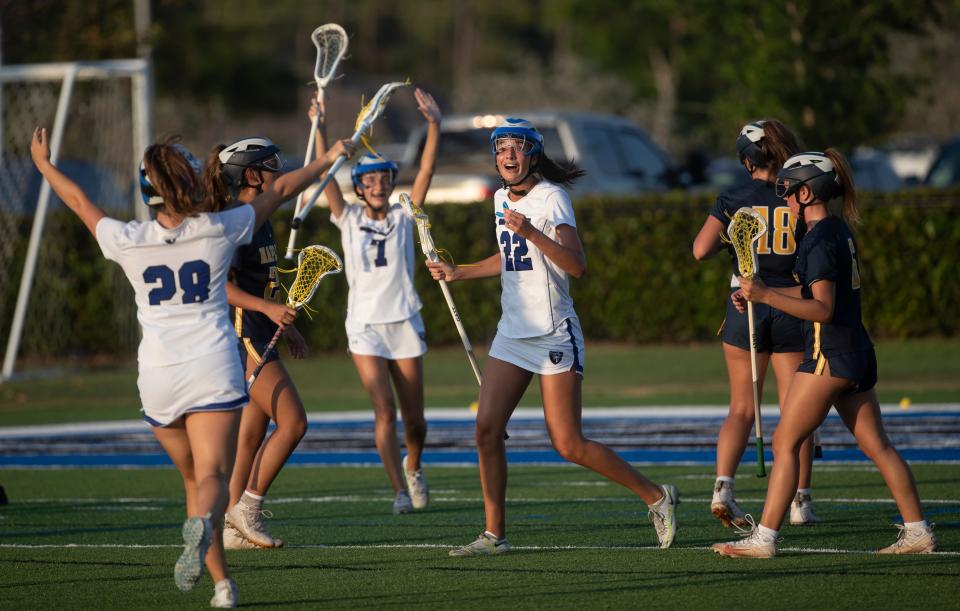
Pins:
x,y
576,351
211,407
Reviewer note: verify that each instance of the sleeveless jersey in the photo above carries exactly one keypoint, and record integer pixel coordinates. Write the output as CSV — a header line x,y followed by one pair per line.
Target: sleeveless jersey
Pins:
x,y
178,277
777,249
255,271
378,259
828,252
535,296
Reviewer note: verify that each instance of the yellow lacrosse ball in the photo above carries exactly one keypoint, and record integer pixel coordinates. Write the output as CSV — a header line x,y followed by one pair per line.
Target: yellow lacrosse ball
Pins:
x,y
905,403
474,406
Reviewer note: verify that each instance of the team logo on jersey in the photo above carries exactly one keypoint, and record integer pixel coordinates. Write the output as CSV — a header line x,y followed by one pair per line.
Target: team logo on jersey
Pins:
x,y
556,356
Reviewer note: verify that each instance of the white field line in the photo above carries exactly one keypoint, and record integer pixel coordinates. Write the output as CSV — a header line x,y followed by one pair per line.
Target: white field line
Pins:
x,y
456,413
460,499
795,550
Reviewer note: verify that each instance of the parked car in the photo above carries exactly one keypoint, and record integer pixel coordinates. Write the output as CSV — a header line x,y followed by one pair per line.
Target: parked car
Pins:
x,y
618,156
945,171
872,171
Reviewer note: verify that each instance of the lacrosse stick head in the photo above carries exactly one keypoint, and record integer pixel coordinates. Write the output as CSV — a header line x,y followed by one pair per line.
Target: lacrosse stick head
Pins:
x,y
745,230
313,264
374,108
331,42
423,225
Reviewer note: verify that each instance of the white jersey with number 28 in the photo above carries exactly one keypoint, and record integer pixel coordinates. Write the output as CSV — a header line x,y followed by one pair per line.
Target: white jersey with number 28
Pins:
x,y
535,296
178,277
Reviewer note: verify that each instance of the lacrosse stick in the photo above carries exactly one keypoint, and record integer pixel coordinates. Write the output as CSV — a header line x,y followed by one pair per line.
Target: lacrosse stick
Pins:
x,y
331,43
744,231
313,264
368,114
426,244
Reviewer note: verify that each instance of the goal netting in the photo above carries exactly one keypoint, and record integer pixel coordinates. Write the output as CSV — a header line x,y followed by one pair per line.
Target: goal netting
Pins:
x,y
60,300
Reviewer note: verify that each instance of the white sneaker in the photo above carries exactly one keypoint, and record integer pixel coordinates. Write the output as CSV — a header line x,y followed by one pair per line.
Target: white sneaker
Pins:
x,y
417,486
912,541
753,545
250,524
402,503
224,594
234,539
725,507
485,545
663,514
801,510
196,539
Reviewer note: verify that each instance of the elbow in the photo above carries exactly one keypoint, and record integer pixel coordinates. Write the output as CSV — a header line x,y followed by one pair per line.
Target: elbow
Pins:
x,y
700,253
578,270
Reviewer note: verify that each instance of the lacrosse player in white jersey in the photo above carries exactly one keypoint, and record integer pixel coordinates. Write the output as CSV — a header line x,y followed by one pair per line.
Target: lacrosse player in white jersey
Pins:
x,y
385,332
539,332
190,374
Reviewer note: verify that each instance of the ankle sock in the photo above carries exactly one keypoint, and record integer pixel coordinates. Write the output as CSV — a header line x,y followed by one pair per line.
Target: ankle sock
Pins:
x,y
251,500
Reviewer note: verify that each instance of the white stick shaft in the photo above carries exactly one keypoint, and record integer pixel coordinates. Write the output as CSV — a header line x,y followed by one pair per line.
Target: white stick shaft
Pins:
x,y
305,210
463,332
753,371
292,242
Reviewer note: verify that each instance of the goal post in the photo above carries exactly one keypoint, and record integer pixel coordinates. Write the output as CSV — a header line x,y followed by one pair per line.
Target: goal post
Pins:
x,y
98,115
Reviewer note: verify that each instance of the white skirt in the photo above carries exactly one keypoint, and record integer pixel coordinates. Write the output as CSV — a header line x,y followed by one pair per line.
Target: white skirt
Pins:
x,y
557,352
405,339
213,382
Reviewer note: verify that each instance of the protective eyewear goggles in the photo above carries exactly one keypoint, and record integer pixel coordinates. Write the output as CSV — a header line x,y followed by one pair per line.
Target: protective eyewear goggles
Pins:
x,y
373,179
272,163
785,187
520,145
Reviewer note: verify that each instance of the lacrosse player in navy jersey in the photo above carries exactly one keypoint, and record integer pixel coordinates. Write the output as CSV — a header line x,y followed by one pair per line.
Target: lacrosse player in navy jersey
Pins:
x,y
762,146
385,331
190,376
839,365
236,174
539,332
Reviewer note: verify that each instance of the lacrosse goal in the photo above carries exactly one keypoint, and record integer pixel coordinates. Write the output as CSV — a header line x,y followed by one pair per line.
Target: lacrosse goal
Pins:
x,y
58,297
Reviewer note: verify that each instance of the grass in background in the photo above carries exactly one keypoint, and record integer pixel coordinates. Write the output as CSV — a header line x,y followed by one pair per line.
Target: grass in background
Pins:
x,y
616,374
346,550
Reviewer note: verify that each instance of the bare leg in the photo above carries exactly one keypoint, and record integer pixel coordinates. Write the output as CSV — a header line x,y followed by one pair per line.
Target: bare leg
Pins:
x,y
861,414
375,376
407,377
808,401
502,388
253,428
785,364
562,409
735,431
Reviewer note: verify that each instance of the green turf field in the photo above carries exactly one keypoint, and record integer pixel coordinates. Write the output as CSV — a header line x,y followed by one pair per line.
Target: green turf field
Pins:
x,y
924,370
107,539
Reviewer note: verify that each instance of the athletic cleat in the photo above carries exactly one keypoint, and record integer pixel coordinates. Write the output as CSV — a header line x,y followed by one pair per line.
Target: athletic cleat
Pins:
x,y
250,524
234,539
417,485
663,514
402,503
912,541
725,507
485,545
196,539
753,545
224,594
801,510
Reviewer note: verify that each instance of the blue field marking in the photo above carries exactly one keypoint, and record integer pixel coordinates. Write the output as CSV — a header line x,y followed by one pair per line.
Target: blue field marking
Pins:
x,y
654,435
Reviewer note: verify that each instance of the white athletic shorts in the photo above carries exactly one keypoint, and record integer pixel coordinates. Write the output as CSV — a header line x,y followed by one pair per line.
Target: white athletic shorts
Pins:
x,y
213,382
392,340
553,353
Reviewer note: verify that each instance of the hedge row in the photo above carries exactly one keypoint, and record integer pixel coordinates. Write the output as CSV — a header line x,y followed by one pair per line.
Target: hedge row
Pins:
x,y
642,283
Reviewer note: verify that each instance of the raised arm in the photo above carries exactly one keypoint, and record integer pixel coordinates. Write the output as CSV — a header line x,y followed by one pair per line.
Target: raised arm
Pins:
x,y
428,159
67,190
292,183
334,194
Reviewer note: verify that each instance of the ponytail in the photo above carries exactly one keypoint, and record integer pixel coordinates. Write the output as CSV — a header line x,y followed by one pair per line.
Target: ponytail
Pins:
x,y
174,179
779,143
565,174
219,194
849,210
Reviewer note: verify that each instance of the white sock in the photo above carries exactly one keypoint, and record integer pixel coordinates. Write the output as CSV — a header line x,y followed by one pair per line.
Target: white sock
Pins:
x,y
767,533
921,525
251,500
725,478
805,491
492,536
